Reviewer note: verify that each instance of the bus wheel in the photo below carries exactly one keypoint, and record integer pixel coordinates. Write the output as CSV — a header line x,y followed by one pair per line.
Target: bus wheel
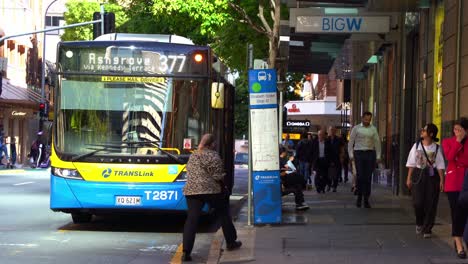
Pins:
x,y
81,218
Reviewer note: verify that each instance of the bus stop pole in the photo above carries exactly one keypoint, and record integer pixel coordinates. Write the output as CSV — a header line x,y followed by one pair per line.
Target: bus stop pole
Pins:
x,y
249,185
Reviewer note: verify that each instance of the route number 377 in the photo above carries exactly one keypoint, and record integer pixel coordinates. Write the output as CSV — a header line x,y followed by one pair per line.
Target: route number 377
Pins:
x,y
161,195
169,63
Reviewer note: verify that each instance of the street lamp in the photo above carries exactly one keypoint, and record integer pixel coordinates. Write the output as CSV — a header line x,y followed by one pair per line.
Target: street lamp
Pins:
x,y
43,54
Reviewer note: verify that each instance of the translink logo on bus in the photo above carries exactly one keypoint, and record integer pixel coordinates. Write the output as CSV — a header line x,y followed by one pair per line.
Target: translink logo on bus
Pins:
x,y
108,172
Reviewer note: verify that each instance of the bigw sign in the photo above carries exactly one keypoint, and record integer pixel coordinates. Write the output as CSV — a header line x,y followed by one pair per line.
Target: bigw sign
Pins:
x,y
343,24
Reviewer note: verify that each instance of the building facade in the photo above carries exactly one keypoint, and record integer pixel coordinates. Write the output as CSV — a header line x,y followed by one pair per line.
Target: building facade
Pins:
x,y
21,71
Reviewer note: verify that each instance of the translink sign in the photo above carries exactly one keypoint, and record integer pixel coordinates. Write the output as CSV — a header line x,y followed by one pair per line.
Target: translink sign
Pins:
x,y
343,24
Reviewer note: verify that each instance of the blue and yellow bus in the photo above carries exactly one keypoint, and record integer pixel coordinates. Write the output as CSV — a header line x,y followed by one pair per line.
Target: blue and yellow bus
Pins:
x,y
128,112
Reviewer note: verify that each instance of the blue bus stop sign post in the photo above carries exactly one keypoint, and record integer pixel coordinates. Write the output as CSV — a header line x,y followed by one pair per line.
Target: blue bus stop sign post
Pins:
x,y
264,146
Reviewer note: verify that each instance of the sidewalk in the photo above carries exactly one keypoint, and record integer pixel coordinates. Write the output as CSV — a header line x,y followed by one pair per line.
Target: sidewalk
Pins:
x,y
333,230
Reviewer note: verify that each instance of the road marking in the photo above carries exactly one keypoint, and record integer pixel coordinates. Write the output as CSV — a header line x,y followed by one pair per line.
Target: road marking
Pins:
x,y
22,183
177,258
18,245
11,172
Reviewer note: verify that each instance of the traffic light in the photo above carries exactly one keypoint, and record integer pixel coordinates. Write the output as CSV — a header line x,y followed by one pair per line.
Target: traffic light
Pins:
x,y
109,24
42,110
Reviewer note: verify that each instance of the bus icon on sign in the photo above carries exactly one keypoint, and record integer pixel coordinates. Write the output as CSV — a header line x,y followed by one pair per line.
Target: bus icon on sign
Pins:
x,y
262,76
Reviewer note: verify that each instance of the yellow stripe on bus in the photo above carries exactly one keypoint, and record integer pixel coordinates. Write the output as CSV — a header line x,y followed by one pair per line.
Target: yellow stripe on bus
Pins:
x,y
112,172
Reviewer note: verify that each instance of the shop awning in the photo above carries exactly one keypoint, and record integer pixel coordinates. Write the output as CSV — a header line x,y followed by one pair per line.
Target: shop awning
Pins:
x,y
15,95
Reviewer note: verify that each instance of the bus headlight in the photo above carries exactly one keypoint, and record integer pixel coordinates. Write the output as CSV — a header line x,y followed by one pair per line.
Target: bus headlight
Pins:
x,y
182,176
66,173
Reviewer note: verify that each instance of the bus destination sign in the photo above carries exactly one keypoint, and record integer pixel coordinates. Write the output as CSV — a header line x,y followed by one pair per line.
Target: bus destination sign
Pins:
x,y
131,60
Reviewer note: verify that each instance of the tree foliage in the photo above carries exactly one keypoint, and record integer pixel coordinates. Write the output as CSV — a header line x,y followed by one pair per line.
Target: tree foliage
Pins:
x,y
79,11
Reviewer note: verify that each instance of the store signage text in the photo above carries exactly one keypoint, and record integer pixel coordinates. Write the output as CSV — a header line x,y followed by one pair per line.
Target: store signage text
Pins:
x,y
343,24
15,113
298,123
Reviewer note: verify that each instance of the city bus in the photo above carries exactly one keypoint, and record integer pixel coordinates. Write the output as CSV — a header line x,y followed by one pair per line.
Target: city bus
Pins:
x,y
128,112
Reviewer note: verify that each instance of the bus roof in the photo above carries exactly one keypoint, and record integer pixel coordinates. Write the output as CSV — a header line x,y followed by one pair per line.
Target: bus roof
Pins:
x,y
146,37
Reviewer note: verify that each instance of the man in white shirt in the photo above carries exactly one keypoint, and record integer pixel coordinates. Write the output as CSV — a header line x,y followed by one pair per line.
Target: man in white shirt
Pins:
x,y
364,150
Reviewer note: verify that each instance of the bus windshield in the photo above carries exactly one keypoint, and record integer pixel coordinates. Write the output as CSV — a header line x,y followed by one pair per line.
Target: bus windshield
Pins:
x,y
130,115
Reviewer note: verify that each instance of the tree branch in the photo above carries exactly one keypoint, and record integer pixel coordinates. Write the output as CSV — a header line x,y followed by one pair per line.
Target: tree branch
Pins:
x,y
247,20
262,18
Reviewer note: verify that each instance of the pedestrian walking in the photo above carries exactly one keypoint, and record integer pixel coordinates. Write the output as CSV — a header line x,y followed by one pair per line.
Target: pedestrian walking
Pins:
x,y
38,148
304,155
205,184
364,150
344,157
425,178
13,152
335,145
321,165
291,181
288,144
456,152
3,148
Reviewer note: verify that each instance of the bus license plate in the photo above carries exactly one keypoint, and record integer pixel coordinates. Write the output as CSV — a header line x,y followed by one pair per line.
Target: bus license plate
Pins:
x,y
128,200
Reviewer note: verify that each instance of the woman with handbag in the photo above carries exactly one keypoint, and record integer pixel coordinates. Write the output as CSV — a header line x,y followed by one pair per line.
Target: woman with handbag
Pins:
x,y
456,153
205,175
425,178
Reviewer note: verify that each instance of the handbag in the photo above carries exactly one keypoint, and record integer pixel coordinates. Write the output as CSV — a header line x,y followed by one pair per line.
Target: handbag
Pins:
x,y
463,196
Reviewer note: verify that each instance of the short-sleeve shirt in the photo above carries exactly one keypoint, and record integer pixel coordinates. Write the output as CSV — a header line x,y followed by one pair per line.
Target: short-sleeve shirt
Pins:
x,y
417,159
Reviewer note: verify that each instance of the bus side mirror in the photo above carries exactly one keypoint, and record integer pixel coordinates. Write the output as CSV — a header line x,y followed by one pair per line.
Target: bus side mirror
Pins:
x,y
217,95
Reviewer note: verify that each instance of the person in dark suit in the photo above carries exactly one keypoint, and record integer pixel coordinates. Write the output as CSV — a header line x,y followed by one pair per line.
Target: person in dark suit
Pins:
x,y
335,144
304,155
321,164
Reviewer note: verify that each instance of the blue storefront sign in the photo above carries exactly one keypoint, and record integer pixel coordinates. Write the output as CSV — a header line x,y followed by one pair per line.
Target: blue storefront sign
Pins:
x,y
264,146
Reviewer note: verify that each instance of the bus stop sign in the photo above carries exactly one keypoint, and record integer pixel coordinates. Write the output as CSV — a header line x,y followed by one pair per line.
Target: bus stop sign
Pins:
x,y
264,146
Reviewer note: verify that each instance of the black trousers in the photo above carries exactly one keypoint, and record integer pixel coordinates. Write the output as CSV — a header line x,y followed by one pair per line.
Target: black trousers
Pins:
x,y
195,203
346,169
294,183
321,178
365,165
459,215
335,174
425,193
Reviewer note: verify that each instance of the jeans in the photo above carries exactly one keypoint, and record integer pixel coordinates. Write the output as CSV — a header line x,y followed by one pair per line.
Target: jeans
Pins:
x,y
3,149
304,170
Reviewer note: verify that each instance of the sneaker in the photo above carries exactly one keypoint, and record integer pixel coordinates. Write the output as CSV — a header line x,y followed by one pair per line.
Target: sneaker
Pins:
x,y
302,207
427,235
418,230
234,246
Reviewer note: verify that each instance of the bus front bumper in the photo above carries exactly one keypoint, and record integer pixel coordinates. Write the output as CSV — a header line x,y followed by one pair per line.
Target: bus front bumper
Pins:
x,y
68,195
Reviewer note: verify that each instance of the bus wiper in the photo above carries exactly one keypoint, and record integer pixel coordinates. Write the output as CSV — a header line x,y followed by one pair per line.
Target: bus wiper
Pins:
x,y
91,153
153,144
